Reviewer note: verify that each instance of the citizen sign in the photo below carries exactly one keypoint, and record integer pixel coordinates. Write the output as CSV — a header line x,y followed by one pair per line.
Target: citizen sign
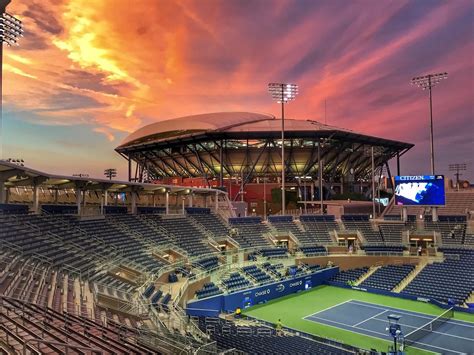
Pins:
x,y
408,178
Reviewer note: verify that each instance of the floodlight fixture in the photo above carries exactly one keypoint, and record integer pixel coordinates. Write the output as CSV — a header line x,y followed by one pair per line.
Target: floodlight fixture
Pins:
x,y
283,93
428,82
11,29
457,168
110,173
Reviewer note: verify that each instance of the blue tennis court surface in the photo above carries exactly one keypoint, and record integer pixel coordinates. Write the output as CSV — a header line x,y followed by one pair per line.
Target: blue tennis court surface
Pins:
x,y
453,337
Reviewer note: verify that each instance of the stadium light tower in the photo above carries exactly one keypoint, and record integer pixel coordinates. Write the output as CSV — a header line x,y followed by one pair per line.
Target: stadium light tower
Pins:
x,y
457,168
428,82
10,31
283,93
110,173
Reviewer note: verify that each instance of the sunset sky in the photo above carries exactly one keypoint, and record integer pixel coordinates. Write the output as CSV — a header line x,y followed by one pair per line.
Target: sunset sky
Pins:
x,y
89,72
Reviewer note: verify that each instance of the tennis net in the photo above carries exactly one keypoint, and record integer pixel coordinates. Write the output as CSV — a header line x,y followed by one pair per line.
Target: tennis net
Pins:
x,y
416,335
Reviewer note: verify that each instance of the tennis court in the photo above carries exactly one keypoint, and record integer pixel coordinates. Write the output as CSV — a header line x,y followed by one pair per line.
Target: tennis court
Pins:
x,y
450,337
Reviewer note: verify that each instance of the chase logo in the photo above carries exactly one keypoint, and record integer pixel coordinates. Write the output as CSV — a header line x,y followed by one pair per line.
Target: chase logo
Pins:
x,y
280,288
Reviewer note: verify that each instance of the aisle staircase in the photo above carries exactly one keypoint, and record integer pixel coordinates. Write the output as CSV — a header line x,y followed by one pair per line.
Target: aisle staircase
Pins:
x,y
404,283
372,269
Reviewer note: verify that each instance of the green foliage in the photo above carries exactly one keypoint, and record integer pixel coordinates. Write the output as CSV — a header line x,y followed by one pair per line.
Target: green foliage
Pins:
x,y
290,196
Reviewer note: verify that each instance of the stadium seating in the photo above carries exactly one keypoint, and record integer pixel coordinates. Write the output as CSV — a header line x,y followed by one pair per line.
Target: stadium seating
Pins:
x,y
235,281
257,274
450,279
387,277
392,232
251,231
362,224
184,234
211,223
24,322
253,339
384,249
10,208
274,252
451,228
351,275
316,250
285,224
207,263
208,289
317,229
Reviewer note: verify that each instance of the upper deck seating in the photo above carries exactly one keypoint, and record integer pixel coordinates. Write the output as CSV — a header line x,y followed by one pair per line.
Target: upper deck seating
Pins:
x,y
317,229
362,224
251,231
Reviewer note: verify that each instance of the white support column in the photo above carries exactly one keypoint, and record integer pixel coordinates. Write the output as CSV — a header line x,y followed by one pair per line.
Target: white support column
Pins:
x,y
134,202
106,197
35,199
167,202
182,203
434,213
404,214
56,193
190,198
84,193
3,192
78,200
102,202
217,201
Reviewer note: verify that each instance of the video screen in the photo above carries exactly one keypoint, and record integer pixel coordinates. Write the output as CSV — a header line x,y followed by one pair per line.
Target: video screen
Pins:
x,y
426,190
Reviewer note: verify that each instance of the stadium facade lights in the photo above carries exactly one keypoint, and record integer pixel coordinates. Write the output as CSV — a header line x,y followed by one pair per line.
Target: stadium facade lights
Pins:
x,y
11,29
81,175
428,82
283,93
19,162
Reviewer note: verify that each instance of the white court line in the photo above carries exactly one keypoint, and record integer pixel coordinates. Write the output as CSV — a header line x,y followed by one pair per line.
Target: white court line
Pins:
x,y
336,305
387,309
411,313
365,320
385,335
436,332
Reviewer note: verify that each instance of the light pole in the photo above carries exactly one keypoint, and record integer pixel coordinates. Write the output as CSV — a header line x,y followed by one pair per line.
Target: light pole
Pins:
x,y
10,30
283,93
264,198
428,82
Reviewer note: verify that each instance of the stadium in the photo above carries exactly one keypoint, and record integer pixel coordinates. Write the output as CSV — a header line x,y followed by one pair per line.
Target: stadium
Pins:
x,y
231,232
97,265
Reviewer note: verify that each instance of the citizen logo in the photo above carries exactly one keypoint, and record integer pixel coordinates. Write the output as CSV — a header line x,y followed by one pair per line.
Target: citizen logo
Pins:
x,y
409,178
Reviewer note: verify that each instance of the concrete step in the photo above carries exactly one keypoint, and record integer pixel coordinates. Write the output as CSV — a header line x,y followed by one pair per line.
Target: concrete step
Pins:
x,y
470,299
361,279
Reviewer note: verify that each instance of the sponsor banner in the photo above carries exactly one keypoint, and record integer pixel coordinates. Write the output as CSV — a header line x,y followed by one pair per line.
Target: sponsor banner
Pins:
x,y
249,297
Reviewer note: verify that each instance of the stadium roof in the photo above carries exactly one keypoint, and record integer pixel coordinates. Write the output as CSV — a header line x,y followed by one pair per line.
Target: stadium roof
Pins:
x,y
239,125
14,175
245,143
